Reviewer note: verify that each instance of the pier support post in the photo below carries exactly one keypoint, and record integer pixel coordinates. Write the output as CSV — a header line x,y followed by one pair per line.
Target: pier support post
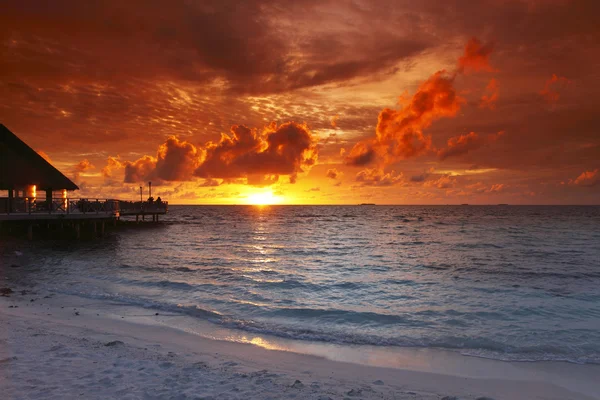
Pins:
x,y
137,218
95,228
77,230
102,228
30,231
156,217
143,217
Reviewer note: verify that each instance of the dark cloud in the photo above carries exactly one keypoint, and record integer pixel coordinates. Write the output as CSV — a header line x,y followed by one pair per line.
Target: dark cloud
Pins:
x,y
250,46
362,153
210,183
333,173
140,170
463,144
419,178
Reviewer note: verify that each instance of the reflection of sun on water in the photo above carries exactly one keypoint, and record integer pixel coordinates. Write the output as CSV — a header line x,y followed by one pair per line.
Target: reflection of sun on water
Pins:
x,y
263,198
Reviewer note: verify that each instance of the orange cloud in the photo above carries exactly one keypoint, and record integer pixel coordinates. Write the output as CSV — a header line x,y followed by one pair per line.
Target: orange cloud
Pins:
x,y
489,100
377,177
459,145
140,170
112,164
587,178
443,182
400,132
497,187
549,92
287,149
334,120
476,57
259,157
82,166
175,161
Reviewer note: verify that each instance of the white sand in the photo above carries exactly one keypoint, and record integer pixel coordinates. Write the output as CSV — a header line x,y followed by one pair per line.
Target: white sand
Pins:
x,y
57,348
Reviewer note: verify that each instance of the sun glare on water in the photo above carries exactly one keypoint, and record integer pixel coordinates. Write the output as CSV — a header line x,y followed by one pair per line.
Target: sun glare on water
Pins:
x,y
263,198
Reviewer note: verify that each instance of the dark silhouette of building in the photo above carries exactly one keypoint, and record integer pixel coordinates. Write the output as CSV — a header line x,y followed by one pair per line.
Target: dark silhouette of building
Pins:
x,y
25,174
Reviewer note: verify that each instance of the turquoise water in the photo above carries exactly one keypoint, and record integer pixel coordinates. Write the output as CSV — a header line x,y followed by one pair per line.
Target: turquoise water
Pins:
x,y
505,282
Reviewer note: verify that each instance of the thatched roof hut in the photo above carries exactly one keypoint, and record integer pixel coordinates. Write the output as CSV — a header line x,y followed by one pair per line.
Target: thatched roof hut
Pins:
x,y
21,166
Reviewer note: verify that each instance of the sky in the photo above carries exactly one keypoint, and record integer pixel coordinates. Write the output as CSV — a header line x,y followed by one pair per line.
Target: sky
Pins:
x,y
310,101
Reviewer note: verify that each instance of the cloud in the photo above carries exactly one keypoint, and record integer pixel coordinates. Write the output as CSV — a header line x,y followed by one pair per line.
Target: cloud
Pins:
x,y
210,183
400,132
587,178
550,92
333,173
489,99
334,121
480,188
377,177
476,57
175,161
287,149
81,167
257,157
497,187
112,164
263,46
140,170
443,182
362,153
314,189
419,178
463,144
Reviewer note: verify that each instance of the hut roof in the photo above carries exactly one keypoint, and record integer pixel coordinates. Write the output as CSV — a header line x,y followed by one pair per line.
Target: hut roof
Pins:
x,y
20,166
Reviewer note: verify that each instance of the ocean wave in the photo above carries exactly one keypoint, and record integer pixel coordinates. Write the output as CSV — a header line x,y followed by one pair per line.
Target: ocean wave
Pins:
x,y
466,345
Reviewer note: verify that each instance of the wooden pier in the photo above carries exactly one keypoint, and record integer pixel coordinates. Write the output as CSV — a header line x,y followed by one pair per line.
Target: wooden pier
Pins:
x,y
37,195
29,213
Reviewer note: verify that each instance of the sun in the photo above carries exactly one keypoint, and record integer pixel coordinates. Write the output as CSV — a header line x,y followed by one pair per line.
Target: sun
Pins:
x,y
263,198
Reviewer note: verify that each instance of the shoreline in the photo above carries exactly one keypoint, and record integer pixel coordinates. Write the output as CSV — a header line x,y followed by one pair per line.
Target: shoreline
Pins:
x,y
229,369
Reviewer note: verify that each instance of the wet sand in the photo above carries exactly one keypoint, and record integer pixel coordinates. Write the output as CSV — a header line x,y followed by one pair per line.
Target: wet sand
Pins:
x,y
69,347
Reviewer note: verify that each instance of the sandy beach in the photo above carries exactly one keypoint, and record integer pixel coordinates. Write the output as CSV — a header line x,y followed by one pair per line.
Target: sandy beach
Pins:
x,y
56,346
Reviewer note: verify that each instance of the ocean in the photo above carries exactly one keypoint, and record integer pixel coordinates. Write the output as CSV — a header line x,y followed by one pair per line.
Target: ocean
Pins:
x,y
519,283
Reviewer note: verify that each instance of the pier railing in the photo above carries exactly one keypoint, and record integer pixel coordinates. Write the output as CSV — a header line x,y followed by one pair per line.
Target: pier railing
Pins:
x,y
29,205
142,207
109,207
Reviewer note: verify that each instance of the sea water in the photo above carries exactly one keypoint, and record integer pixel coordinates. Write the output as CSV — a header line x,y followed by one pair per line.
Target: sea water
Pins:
x,y
517,283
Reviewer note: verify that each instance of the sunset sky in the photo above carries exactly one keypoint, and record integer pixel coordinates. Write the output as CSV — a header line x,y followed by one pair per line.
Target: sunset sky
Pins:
x,y
305,101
